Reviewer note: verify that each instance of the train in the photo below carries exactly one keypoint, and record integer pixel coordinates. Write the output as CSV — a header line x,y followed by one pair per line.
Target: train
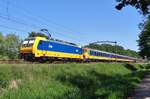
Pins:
x,y
41,49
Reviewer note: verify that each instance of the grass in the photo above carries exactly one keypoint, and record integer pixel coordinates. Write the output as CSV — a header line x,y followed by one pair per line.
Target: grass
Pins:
x,y
71,81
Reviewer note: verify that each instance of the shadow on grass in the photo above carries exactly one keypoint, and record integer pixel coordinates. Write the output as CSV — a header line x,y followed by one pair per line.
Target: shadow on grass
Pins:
x,y
131,67
94,85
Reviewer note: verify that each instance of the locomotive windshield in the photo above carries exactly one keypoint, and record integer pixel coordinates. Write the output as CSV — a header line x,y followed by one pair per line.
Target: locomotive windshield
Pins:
x,y
28,42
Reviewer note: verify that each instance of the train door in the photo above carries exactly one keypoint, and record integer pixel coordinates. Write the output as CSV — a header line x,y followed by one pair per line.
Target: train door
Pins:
x,y
85,54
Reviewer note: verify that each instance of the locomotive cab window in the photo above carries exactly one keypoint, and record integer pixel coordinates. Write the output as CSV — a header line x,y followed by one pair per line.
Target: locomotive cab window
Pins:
x,y
31,42
28,42
24,43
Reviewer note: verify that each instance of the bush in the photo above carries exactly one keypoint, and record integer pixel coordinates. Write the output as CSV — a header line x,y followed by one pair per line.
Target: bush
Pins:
x,y
147,66
71,81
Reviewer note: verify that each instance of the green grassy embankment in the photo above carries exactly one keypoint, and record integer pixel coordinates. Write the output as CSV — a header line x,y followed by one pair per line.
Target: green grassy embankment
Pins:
x,y
71,81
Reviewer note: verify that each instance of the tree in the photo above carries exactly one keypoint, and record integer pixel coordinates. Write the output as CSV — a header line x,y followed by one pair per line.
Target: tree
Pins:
x,y
141,5
144,40
12,43
1,43
113,49
9,46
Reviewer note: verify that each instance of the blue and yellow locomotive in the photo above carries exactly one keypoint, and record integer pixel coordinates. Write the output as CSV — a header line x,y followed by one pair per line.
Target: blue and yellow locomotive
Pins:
x,y
42,49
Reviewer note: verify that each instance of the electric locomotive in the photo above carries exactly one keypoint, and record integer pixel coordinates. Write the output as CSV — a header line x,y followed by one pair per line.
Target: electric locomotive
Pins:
x,y
40,49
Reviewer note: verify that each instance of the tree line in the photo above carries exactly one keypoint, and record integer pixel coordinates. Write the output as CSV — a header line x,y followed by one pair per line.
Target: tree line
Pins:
x,y
114,49
10,45
143,6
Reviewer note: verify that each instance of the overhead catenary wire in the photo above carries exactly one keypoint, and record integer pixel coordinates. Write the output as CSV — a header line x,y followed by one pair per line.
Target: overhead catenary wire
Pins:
x,y
25,24
7,8
43,19
15,20
18,22
12,28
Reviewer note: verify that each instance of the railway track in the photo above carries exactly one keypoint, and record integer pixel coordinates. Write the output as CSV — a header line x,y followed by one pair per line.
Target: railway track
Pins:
x,y
14,62
19,61
26,62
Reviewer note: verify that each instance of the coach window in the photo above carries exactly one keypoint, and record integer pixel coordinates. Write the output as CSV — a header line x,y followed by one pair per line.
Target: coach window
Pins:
x,y
107,55
91,52
101,54
104,54
95,53
114,56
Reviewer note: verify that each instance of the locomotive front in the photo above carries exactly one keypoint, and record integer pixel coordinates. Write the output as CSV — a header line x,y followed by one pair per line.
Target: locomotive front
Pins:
x,y
26,50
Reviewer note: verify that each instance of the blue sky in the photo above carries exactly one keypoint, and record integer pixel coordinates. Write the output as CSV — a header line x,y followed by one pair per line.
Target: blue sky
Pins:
x,y
79,21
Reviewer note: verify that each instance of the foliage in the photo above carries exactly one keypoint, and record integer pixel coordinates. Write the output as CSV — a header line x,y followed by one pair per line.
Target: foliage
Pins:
x,y
144,40
1,44
141,5
71,81
147,66
9,46
113,49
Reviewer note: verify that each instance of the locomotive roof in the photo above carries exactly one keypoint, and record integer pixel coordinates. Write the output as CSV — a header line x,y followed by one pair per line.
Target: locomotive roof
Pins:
x,y
30,38
56,40
63,42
